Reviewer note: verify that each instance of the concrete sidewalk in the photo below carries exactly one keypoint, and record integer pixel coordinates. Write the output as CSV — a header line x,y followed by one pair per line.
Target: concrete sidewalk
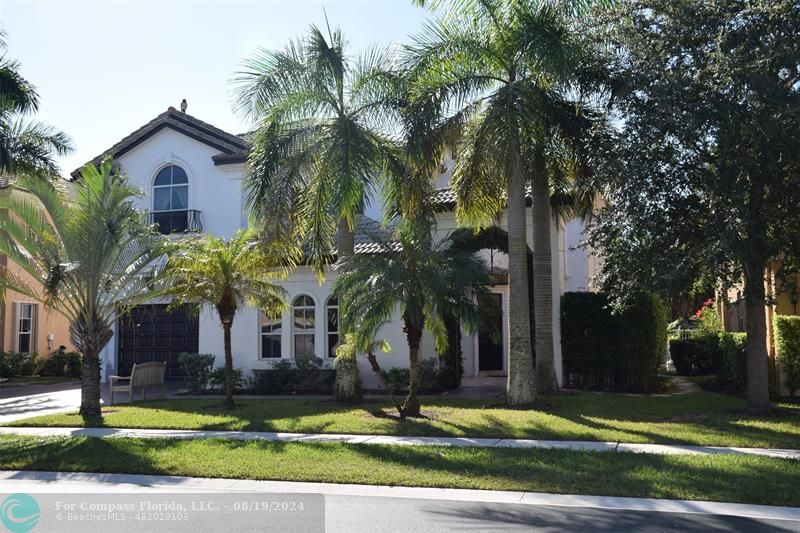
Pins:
x,y
59,482
621,447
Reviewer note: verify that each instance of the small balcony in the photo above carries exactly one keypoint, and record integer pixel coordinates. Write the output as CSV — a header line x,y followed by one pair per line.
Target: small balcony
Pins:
x,y
171,222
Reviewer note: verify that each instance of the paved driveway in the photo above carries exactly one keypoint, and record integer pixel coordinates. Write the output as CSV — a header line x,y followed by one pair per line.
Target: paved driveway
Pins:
x,y
24,401
32,400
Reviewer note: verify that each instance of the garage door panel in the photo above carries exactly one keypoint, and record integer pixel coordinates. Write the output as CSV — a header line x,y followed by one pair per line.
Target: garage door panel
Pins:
x,y
149,333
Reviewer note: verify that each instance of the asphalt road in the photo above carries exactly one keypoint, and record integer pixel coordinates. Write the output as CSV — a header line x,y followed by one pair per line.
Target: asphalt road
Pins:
x,y
348,514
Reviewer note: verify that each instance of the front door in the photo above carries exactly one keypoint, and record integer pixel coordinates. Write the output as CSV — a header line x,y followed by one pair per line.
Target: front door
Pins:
x,y
490,334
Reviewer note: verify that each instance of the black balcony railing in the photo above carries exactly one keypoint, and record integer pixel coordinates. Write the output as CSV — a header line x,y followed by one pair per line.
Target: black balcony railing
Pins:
x,y
184,221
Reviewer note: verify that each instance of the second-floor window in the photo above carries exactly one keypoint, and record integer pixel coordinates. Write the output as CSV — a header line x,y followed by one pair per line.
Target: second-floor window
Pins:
x,y
171,200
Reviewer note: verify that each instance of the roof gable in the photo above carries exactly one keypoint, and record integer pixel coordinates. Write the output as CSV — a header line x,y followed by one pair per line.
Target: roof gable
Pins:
x,y
232,148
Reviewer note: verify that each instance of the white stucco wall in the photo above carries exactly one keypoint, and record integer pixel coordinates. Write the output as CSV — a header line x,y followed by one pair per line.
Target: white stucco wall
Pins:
x,y
215,191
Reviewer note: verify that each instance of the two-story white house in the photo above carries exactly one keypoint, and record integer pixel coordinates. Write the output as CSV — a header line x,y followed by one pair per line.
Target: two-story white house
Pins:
x,y
191,174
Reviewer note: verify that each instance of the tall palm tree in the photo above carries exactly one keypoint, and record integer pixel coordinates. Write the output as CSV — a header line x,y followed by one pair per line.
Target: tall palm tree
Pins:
x,y
427,279
224,275
321,144
26,146
85,256
497,73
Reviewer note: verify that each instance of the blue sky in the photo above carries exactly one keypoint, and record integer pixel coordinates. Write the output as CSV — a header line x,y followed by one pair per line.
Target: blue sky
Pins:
x,y
104,68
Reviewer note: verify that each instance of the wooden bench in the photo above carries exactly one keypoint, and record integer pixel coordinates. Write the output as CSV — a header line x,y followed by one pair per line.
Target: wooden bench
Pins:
x,y
143,375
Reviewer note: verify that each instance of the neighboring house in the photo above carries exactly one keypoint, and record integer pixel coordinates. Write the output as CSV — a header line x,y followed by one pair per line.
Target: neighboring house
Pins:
x,y
784,302
25,325
191,173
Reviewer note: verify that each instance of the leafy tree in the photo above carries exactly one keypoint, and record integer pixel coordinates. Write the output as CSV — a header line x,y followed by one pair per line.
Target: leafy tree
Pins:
x,y
224,275
321,145
25,146
708,153
86,256
500,75
427,279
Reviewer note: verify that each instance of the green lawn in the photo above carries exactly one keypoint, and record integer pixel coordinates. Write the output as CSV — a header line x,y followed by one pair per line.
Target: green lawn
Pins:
x,y
702,418
715,478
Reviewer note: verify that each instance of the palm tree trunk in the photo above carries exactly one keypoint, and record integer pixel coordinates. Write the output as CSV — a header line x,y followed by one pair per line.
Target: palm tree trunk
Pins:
x,y
546,382
348,386
229,403
376,367
414,337
520,387
90,383
757,357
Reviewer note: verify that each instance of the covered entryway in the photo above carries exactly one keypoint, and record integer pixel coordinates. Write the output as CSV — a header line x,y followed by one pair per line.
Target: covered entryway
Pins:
x,y
491,335
150,333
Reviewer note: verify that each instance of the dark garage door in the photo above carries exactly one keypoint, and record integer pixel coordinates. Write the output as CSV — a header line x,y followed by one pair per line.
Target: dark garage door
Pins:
x,y
150,333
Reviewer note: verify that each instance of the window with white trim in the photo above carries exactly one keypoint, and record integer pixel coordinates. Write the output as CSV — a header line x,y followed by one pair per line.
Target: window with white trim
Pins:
x,y
25,324
332,325
171,200
303,324
270,337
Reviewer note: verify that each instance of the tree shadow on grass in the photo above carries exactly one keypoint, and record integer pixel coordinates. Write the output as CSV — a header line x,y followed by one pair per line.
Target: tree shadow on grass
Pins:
x,y
718,478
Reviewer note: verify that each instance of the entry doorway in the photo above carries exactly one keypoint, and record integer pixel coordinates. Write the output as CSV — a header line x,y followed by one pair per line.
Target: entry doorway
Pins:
x,y
491,335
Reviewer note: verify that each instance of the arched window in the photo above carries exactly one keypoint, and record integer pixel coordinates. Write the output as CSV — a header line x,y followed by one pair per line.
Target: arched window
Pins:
x,y
332,325
171,199
303,314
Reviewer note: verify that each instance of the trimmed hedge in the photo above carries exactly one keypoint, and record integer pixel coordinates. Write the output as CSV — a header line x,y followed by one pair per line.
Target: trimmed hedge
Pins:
x,y
787,344
696,356
612,351
723,355
732,371
288,377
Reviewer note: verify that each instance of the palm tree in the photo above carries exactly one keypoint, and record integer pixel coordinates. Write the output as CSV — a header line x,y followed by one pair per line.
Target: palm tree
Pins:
x,y
427,280
85,256
25,146
321,145
224,275
496,73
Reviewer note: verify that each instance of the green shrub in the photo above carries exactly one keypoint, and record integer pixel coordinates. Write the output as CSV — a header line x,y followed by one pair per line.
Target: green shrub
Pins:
x,y
787,344
301,376
61,363
54,365
432,377
682,354
280,379
732,369
614,351
196,369
451,361
696,356
397,378
16,364
217,378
